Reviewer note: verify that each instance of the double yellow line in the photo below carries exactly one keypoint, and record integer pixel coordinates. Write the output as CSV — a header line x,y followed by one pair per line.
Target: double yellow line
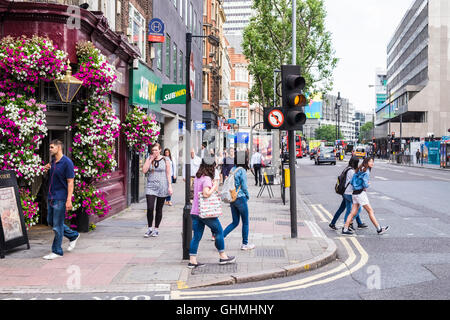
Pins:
x,y
334,274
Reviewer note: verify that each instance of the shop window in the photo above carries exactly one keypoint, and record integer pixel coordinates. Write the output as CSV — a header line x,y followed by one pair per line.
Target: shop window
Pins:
x,y
115,104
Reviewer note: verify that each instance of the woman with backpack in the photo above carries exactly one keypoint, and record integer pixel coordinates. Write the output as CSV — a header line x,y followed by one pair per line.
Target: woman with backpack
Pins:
x,y
360,183
347,201
239,208
204,183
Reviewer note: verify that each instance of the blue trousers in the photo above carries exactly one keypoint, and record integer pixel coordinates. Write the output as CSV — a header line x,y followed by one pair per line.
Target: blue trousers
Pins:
x,y
55,218
198,226
239,209
346,203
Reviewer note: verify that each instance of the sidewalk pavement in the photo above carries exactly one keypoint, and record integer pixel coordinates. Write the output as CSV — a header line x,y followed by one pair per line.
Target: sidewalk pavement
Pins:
x,y
423,166
117,258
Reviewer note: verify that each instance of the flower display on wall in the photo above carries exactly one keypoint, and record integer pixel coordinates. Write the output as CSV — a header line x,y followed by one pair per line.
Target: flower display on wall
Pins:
x,y
140,129
95,132
89,199
22,128
26,61
30,208
95,71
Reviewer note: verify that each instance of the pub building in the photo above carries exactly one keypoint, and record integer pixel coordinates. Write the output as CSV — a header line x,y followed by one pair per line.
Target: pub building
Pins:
x,y
52,20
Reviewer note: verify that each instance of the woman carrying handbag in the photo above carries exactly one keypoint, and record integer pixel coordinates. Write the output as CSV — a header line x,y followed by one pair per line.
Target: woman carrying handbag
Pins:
x,y
205,187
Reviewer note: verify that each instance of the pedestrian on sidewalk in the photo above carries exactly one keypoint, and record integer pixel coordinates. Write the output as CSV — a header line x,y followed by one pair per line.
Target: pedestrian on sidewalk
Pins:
x,y
360,183
418,154
239,208
173,166
228,163
256,164
60,193
196,161
205,183
347,201
159,186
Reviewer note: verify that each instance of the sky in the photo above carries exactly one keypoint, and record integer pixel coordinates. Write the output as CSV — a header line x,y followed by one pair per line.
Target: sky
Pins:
x,y
361,31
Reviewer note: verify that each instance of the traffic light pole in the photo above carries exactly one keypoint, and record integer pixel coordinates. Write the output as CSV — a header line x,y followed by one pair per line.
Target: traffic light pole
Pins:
x,y
291,136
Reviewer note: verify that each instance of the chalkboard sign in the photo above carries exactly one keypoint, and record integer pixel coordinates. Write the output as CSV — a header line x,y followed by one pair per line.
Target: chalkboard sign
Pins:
x,y
13,232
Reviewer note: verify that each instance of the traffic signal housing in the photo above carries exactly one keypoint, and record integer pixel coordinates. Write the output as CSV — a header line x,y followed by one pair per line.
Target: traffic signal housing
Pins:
x,y
290,116
293,99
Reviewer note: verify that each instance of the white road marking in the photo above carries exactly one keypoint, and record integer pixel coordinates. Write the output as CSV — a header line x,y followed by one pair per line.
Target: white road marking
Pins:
x,y
311,225
381,178
385,198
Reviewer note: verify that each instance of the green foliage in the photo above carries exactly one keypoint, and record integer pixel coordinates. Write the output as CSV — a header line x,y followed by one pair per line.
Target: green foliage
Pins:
x,y
267,45
365,133
328,133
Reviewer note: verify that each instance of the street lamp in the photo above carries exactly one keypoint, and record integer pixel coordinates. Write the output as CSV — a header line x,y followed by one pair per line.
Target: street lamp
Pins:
x,y
187,222
337,107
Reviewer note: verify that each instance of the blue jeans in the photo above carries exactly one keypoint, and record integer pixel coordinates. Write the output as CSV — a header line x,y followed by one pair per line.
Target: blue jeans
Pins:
x,y
239,209
346,203
55,218
198,226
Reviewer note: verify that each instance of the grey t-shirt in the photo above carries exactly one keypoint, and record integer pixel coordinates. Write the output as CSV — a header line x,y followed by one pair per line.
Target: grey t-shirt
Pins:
x,y
157,184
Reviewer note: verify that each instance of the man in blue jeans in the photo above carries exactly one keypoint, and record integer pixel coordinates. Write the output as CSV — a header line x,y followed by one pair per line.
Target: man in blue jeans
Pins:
x,y
60,192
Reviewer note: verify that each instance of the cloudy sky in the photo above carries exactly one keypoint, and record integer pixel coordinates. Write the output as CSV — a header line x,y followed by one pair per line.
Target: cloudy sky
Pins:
x,y
361,30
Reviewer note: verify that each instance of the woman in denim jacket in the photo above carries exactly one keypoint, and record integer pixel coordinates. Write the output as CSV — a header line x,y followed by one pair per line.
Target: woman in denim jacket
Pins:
x,y
239,208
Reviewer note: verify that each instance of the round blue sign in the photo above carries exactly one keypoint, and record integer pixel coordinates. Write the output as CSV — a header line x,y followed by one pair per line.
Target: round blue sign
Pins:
x,y
156,26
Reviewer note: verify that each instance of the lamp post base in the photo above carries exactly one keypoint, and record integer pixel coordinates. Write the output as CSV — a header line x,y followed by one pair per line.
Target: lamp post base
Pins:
x,y
187,230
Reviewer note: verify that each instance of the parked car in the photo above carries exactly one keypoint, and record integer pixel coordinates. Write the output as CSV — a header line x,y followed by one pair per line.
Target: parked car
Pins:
x,y
312,153
325,155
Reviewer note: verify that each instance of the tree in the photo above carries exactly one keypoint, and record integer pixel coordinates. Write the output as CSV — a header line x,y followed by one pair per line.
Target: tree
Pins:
x,y
267,44
328,133
365,133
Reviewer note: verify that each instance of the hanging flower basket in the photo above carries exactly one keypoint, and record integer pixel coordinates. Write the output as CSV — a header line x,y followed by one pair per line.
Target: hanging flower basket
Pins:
x,y
140,129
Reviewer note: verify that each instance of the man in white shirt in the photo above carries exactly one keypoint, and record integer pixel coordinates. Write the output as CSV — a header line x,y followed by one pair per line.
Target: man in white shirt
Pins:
x,y
196,161
256,165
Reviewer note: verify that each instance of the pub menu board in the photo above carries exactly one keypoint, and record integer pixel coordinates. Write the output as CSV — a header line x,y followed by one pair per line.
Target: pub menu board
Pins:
x,y
13,232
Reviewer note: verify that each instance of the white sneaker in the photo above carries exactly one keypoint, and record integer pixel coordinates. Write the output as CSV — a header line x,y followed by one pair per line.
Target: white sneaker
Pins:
x,y
148,233
52,256
155,233
73,243
246,247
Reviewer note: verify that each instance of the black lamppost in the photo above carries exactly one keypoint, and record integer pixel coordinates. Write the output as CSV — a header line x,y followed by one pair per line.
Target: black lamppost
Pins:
x,y
337,108
187,222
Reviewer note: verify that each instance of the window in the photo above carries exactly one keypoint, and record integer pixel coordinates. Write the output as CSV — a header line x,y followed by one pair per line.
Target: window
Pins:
x,y
181,66
205,86
168,51
241,94
181,9
158,48
136,32
186,12
175,63
241,74
242,116
191,20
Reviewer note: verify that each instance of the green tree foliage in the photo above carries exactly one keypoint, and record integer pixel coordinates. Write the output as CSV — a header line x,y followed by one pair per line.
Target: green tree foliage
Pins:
x,y
365,133
328,133
267,45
